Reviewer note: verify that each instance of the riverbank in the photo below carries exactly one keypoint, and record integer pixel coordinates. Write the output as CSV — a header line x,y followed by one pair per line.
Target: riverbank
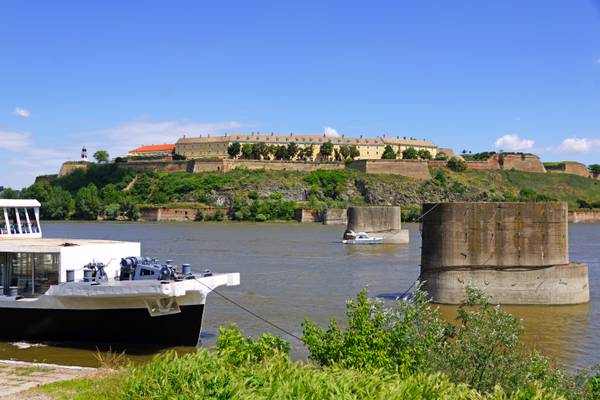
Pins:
x,y
103,191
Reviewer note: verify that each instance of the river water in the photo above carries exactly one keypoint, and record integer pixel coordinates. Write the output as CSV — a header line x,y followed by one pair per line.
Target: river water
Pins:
x,y
293,271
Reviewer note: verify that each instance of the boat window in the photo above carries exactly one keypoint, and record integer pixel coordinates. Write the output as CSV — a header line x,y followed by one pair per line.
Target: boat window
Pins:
x,y
32,273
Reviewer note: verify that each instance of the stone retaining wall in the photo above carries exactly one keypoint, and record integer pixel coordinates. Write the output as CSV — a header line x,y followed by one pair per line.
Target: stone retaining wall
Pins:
x,y
416,169
335,216
589,217
177,214
307,215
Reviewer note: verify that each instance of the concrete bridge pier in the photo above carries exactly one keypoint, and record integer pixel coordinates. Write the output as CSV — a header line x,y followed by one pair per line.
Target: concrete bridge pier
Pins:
x,y
378,221
516,252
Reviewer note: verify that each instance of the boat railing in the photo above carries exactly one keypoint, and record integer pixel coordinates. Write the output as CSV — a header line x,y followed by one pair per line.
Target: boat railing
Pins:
x,y
20,219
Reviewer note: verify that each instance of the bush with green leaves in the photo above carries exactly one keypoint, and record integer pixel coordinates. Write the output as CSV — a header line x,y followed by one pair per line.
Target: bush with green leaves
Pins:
x,y
457,164
481,349
441,156
410,154
330,183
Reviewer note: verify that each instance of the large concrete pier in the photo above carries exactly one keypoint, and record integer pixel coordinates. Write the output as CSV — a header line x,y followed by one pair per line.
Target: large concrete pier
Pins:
x,y
378,221
516,252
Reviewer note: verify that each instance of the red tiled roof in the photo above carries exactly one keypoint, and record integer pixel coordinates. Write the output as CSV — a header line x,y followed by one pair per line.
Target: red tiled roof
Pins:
x,y
154,147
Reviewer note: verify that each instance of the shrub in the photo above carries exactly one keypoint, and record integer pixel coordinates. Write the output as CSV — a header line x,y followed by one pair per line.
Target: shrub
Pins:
x,y
331,183
456,164
410,154
441,156
199,216
482,349
260,218
219,215
424,154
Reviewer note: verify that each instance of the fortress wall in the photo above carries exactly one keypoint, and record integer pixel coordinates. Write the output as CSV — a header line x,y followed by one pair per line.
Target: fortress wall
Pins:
x,y
416,169
335,216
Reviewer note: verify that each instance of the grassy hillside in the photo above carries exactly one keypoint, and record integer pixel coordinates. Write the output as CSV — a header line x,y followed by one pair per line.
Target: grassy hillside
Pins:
x,y
110,192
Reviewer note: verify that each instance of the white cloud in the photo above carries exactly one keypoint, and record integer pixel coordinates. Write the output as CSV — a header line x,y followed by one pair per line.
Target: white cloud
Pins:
x,y
25,159
513,142
22,112
331,132
121,138
14,141
578,145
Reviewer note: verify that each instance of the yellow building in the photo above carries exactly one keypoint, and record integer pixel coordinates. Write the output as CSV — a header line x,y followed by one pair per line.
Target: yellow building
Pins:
x,y
369,148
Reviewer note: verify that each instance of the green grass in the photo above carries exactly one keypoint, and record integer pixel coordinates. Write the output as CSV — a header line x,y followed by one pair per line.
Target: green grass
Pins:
x,y
206,375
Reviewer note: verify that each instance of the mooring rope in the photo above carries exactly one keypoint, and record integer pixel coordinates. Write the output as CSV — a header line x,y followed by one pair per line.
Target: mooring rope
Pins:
x,y
274,325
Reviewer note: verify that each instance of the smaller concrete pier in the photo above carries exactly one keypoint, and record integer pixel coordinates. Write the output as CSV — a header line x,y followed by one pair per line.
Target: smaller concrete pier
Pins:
x,y
378,221
516,252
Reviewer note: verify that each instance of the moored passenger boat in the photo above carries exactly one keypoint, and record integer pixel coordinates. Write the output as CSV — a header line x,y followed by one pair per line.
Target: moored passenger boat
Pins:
x,y
93,291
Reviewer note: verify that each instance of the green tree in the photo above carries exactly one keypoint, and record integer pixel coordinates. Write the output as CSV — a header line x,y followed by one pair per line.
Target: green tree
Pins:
x,y
256,151
354,152
292,150
336,155
309,152
129,208
326,150
345,151
410,154
388,153
59,206
87,202
281,153
101,156
9,193
424,154
264,151
594,169
441,156
234,149
457,164
247,151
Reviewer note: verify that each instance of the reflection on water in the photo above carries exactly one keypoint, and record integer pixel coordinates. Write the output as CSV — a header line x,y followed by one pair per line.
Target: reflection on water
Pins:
x,y
293,271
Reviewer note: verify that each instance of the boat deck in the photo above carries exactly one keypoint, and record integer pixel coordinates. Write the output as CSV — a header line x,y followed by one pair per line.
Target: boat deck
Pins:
x,y
46,245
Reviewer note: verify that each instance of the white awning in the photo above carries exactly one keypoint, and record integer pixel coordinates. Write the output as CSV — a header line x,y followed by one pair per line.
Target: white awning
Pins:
x,y
19,203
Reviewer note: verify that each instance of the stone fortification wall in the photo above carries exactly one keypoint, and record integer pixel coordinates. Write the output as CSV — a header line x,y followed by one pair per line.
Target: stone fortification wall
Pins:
x,y
335,216
569,167
307,215
158,165
306,166
409,168
584,217
519,162
516,252
378,221
68,167
176,214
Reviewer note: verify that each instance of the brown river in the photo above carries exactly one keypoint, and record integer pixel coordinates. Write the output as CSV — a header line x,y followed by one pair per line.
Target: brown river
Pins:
x,y
292,271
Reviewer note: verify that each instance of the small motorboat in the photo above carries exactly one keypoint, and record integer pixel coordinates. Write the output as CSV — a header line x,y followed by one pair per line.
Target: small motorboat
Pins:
x,y
361,238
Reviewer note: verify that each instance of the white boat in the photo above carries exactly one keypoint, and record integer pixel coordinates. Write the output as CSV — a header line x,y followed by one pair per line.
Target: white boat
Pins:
x,y
361,238
96,291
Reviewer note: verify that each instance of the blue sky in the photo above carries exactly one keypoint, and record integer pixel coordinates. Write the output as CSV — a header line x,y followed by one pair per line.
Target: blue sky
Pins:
x,y
476,75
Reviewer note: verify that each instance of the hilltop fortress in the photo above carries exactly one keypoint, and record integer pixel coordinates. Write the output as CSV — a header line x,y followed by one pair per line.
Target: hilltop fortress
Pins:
x,y
368,148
